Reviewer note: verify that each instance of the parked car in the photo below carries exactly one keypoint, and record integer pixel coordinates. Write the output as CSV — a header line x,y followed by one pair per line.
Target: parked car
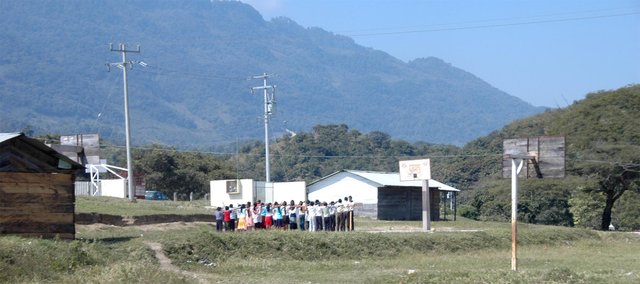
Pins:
x,y
155,195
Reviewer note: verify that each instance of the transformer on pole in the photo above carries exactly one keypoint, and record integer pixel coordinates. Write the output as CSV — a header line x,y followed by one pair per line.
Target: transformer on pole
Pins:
x,y
123,65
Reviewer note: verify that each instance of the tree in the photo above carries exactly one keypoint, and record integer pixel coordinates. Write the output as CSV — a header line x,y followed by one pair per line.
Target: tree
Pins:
x,y
614,179
168,170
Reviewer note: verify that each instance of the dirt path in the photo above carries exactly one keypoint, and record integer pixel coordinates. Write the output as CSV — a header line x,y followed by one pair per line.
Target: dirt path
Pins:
x,y
165,263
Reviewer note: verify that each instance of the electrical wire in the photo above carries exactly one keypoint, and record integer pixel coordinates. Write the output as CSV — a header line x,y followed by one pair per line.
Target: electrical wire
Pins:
x,y
154,69
472,27
381,157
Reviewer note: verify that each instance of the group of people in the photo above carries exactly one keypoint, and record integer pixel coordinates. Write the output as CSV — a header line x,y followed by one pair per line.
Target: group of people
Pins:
x,y
307,215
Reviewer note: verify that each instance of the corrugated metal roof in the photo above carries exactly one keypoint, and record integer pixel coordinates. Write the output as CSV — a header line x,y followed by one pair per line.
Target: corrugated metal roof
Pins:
x,y
8,136
73,165
392,179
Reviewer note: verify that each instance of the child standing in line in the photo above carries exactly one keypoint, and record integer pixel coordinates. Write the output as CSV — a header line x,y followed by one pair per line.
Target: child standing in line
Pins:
x,y
219,219
301,216
257,219
249,218
311,216
263,214
233,215
293,215
351,205
268,221
318,213
277,215
227,218
332,216
284,209
340,215
325,216
242,225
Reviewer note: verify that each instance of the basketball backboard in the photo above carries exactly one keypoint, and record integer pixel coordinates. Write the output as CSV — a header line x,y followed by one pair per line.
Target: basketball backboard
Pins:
x,y
547,152
415,170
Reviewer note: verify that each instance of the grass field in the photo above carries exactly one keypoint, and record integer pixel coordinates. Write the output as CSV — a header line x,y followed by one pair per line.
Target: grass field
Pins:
x,y
118,206
463,251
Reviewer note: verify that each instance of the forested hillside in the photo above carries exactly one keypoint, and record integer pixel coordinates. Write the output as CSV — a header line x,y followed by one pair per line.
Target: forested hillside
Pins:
x,y
193,91
603,166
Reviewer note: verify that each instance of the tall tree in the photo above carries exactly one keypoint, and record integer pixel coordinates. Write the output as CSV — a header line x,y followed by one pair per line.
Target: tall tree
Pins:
x,y
615,178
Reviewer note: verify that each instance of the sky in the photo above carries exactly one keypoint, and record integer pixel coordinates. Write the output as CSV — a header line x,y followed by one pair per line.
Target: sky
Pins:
x,y
546,52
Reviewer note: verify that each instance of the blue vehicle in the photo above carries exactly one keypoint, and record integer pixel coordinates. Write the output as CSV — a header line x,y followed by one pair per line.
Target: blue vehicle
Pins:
x,y
155,195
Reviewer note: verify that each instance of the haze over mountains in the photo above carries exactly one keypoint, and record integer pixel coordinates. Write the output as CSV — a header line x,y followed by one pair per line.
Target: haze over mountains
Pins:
x,y
194,91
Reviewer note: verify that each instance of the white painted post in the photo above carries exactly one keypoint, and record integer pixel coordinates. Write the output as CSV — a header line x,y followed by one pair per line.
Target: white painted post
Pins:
x,y
515,169
426,207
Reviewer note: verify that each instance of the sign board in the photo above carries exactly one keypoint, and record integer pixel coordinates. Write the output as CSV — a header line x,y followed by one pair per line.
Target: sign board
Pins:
x,y
415,170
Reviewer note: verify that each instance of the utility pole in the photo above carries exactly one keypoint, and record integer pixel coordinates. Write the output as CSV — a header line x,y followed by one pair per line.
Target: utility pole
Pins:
x,y
123,65
269,101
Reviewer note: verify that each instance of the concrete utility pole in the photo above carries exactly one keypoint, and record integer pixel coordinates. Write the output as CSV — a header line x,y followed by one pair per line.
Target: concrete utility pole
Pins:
x,y
269,101
123,65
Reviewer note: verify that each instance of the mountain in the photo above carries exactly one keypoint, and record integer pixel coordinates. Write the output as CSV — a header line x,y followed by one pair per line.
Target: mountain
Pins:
x,y
199,56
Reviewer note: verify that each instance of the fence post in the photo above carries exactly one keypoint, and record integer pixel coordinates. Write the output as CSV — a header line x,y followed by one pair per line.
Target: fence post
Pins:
x,y
190,196
175,196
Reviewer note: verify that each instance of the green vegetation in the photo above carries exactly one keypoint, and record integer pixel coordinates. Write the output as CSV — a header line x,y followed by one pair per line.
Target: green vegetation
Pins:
x,y
108,260
464,251
119,206
603,162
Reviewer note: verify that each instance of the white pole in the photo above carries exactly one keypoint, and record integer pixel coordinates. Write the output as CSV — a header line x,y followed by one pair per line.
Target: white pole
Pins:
x,y
127,129
266,129
127,132
515,169
426,207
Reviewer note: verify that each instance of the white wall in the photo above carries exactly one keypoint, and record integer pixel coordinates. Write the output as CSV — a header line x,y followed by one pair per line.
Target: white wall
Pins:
x,y
342,185
253,190
287,191
113,188
220,197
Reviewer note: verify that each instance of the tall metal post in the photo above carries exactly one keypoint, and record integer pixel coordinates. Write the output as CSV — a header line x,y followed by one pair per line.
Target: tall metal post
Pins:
x,y
122,48
516,166
426,206
269,100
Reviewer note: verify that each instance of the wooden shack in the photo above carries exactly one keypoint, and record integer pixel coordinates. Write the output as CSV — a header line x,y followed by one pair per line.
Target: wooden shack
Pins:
x,y
405,203
36,189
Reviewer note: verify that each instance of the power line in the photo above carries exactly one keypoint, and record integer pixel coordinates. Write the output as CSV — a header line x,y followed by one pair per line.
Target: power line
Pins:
x,y
153,69
495,25
487,155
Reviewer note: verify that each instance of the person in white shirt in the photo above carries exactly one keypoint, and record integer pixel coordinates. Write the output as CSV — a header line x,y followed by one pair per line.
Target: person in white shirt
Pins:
x,y
350,206
318,208
332,216
311,215
340,209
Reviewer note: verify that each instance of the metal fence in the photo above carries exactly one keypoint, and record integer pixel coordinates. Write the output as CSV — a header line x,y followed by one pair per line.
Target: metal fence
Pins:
x,y
84,188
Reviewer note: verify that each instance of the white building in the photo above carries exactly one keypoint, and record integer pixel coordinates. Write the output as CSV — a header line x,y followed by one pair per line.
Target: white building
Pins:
x,y
241,191
381,194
